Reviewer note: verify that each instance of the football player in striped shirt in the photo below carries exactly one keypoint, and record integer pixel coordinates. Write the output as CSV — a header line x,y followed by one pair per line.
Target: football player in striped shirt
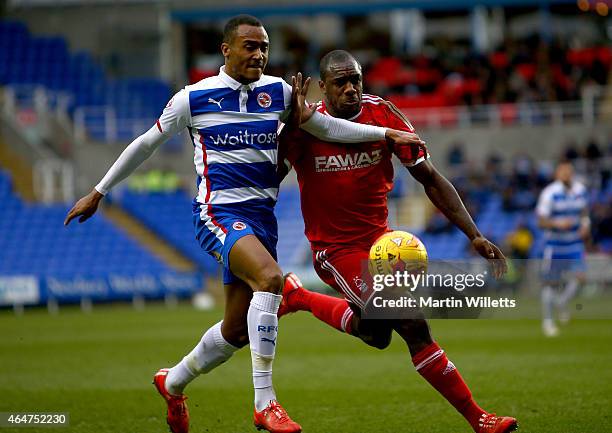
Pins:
x,y
563,214
343,193
233,119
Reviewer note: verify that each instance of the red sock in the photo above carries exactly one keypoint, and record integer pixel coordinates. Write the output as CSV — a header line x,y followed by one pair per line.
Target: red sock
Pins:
x,y
434,366
329,309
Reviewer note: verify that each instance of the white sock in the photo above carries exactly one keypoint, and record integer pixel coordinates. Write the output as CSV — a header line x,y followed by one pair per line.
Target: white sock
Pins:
x,y
548,300
568,293
210,352
263,328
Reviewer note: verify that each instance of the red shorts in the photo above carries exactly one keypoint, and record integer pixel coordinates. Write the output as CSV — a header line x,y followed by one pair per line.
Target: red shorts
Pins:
x,y
346,270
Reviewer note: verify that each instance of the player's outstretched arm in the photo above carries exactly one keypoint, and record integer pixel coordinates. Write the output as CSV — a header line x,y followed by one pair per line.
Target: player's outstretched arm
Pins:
x,y
334,129
173,119
135,154
85,207
444,196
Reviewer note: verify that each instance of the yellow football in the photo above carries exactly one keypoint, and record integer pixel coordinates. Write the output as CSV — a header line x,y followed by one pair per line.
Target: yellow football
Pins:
x,y
397,251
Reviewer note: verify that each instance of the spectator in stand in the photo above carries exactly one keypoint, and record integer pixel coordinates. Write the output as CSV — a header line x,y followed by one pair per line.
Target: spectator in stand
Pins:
x,y
438,224
520,241
456,154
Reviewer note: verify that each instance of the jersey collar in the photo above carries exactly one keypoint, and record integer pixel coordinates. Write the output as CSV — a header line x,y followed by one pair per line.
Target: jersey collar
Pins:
x,y
233,84
572,189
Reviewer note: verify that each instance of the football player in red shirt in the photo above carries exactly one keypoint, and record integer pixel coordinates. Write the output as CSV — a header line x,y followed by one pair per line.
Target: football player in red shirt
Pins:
x,y
344,203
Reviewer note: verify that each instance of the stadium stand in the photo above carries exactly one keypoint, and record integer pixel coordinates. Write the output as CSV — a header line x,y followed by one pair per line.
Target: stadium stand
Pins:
x,y
35,243
511,74
169,215
27,61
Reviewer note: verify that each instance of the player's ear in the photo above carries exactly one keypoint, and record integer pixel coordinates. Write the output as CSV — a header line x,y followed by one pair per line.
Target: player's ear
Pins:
x,y
322,86
225,49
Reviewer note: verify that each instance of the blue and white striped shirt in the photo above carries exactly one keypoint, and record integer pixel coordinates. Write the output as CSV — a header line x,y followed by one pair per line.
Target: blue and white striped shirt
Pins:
x,y
233,127
559,203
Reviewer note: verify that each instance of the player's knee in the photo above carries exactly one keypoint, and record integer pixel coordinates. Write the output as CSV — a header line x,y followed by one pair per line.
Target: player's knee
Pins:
x,y
381,341
376,334
236,335
269,281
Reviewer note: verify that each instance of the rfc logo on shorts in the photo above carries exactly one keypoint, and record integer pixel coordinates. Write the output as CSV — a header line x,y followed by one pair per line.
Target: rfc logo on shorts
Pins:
x,y
264,100
239,225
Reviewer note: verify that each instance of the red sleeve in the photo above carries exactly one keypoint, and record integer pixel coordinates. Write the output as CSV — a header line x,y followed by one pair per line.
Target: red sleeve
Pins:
x,y
289,148
408,155
291,143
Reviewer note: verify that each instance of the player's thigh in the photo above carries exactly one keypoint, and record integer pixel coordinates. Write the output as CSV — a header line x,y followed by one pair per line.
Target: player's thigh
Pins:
x,y
250,261
237,301
346,272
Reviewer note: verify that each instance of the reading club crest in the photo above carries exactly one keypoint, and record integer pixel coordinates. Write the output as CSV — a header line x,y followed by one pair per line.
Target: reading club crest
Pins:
x,y
239,225
264,100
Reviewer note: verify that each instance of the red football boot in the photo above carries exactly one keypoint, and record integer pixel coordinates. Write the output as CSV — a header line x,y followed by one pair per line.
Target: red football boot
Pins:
x,y
275,420
178,414
291,288
491,423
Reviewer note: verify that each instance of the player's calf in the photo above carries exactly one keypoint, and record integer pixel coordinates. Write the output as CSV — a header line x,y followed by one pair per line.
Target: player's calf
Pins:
x,y
375,333
415,332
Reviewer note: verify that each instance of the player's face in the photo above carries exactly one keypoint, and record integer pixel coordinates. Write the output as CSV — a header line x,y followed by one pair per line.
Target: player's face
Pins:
x,y
565,172
342,89
246,55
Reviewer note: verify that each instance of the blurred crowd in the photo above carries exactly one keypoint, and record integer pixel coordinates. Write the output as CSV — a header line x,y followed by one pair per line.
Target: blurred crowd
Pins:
x,y
518,71
518,181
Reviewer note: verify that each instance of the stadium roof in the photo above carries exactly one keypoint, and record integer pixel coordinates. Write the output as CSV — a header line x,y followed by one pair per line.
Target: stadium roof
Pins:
x,y
195,10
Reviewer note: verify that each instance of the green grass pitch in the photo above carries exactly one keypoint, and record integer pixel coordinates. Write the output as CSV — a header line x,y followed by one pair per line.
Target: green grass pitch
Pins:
x,y
99,366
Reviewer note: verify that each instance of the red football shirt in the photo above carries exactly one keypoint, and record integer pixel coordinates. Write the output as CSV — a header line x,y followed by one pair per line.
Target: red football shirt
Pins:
x,y
344,186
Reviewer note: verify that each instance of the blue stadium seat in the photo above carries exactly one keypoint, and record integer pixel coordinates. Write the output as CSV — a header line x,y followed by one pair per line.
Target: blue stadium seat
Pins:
x,y
34,241
170,216
46,61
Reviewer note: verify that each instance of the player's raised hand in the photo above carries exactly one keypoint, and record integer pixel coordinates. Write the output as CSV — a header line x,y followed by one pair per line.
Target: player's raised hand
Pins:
x,y
300,111
85,207
492,253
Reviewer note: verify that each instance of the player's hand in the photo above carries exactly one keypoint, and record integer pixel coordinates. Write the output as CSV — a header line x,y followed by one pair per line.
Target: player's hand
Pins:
x,y
584,232
85,207
564,224
403,138
300,111
492,253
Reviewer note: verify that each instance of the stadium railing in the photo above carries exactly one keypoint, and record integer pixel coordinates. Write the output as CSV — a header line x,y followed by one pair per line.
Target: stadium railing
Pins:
x,y
102,122
586,111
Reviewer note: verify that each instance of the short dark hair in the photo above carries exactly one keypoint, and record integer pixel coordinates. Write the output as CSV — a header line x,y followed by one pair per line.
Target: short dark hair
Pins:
x,y
235,22
335,56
